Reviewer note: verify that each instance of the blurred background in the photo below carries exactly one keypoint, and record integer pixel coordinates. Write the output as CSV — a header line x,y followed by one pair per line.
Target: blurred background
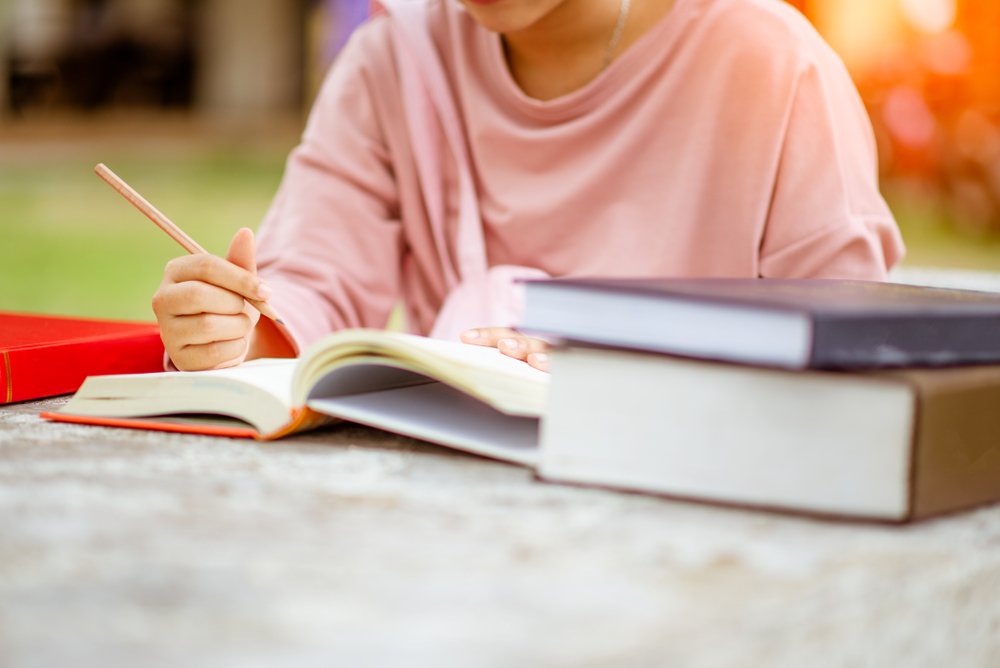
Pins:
x,y
197,102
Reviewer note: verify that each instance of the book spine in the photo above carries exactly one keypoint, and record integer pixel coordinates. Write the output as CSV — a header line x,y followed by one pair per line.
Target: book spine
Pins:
x,y
45,371
956,454
6,384
905,341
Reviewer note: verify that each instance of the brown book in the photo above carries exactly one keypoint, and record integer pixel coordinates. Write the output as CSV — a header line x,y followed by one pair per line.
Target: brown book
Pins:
x,y
888,445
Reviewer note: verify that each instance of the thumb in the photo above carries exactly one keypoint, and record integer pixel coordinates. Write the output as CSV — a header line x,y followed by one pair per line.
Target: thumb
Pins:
x,y
242,250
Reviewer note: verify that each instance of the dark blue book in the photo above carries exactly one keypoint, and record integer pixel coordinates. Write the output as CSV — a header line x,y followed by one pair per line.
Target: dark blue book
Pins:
x,y
797,324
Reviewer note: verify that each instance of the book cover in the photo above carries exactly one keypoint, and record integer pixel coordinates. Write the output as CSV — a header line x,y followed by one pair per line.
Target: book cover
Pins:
x,y
889,445
46,355
808,323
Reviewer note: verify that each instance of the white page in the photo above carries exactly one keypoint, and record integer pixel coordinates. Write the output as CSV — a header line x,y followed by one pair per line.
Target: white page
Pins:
x,y
441,414
271,375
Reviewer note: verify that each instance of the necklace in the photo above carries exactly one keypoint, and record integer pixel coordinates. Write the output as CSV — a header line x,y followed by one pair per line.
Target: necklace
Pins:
x,y
617,34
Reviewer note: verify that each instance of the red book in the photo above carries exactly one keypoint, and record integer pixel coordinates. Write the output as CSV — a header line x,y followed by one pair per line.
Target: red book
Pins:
x,y
44,355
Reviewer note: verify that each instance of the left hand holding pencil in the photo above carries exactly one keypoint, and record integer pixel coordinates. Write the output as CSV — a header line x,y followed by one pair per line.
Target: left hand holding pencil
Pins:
x,y
201,306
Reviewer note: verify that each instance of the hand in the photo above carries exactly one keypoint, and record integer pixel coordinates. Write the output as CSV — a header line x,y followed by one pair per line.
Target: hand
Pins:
x,y
533,351
205,321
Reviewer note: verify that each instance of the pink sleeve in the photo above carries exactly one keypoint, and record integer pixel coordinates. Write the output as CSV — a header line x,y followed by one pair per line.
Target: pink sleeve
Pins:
x,y
827,218
330,247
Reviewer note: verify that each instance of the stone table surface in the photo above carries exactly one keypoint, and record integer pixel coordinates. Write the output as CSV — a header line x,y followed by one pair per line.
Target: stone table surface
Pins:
x,y
350,547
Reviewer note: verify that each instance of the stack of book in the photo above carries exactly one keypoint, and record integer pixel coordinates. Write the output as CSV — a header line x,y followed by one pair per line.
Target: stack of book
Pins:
x,y
866,400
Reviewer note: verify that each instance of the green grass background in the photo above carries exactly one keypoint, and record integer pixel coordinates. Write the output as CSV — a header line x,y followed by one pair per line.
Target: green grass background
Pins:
x,y
70,245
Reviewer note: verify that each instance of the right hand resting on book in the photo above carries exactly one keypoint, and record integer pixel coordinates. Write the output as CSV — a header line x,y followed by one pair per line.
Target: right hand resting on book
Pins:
x,y
511,343
205,320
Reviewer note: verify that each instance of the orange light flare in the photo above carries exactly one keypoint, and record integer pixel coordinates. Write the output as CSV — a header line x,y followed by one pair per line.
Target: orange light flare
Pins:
x,y
929,71
929,16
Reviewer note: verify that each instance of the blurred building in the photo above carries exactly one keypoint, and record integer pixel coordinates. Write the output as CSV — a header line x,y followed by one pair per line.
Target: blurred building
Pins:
x,y
232,57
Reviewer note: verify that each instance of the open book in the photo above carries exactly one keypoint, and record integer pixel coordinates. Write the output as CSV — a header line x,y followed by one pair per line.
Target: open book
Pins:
x,y
468,397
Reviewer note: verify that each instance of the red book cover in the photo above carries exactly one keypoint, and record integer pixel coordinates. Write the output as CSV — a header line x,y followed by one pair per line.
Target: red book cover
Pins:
x,y
45,355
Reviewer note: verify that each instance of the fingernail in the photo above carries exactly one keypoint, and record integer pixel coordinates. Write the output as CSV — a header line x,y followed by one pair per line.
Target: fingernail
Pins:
x,y
264,291
470,334
510,344
539,359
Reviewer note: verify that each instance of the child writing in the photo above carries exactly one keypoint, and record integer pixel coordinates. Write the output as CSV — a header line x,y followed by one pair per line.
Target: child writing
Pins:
x,y
458,145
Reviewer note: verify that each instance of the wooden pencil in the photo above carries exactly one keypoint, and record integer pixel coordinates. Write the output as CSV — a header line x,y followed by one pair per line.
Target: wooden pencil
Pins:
x,y
168,226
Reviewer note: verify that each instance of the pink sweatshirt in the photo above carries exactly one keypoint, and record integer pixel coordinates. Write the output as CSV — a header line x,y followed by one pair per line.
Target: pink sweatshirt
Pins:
x,y
728,141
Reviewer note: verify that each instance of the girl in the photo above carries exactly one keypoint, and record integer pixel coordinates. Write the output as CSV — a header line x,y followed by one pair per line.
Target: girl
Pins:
x,y
458,145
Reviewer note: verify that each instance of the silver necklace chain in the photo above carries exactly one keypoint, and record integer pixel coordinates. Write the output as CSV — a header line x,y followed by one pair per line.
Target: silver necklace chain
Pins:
x,y
616,36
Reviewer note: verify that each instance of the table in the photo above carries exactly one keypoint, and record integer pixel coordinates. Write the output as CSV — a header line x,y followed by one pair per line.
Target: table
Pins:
x,y
349,547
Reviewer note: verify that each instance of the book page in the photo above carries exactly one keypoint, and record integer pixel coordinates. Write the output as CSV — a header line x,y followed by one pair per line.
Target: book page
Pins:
x,y
274,376
256,392
441,414
509,385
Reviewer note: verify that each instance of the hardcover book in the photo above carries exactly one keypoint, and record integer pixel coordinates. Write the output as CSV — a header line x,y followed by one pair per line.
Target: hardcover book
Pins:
x,y
45,355
889,445
787,323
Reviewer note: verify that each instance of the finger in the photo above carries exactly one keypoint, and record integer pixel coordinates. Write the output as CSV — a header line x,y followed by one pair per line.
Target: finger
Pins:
x,y
519,346
242,250
214,355
192,297
205,328
487,336
538,360
216,271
